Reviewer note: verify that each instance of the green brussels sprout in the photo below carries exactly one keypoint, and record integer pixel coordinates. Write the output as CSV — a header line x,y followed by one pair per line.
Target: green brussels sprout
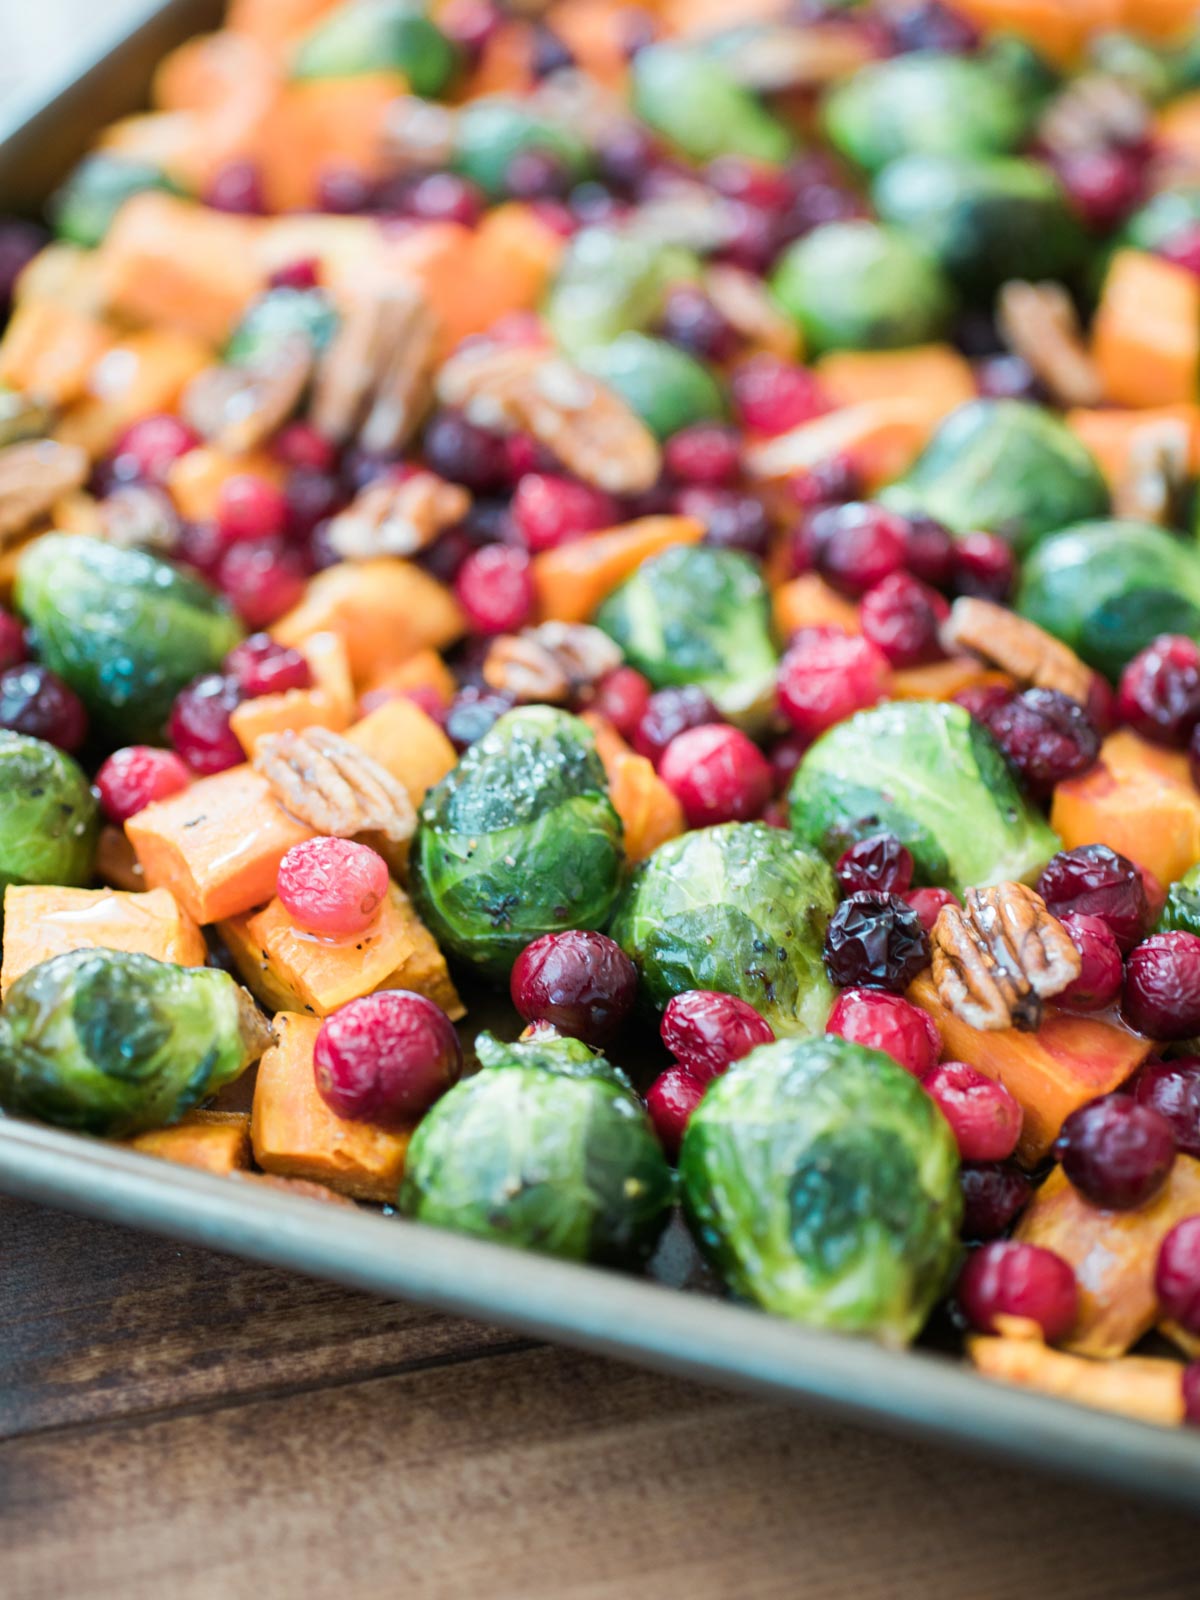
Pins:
x,y
665,386
378,36
928,102
857,286
1182,909
1028,73
695,614
1134,61
983,219
278,316
491,131
83,209
610,283
1012,468
692,101
1108,588
125,629
928,772
741,908
107,1042
520,839
822,1182
548,1149
1164,215
50,815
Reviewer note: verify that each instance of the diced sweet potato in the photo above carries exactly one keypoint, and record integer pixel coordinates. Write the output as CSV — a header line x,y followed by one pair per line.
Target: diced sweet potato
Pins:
x,y
205,72
195,479
408,742
572,579
1110,433
596,34
649,812
296,1135
809,602
1057,28
116,861
275,23
143,372
1145,1387
512,257
1146,332
317,124
51,350
936,374
425,670
942,680
213,1141
882,436
328,703
44,921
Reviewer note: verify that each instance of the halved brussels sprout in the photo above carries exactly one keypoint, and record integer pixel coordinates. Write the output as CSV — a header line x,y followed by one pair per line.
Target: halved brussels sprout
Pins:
x,y
520,839
548,1149
1182,909
1012,468
929,773
698,615
277,317
112,1043
741,908
378,36
668,388
822,1182
491,131
857,286
123,628
83,209
609,283
50,816
691,100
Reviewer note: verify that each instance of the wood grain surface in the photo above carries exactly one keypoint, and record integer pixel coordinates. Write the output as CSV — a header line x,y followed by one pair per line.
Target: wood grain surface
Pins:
x,y
179,1426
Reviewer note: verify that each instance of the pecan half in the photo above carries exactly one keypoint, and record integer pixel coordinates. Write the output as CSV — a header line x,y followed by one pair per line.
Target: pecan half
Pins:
x,y
237,408
741,299
334,786
692,217
374,380
549,663
22,417
997,957
33,476
139,516
1015,645
397,519
1093,111
1040,324
1154,480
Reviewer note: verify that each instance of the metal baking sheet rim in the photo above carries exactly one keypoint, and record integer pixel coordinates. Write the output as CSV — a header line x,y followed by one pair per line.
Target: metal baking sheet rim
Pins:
x,y
908,1392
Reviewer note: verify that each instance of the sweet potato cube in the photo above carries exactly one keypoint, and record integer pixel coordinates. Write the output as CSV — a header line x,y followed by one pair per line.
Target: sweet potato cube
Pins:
x,y
649,812
195,479
1145,1387
214,1141
408,742
942,680
809,602
572,579
44,921
1146,332
296,1135
217,845
50,350
327,703
425,670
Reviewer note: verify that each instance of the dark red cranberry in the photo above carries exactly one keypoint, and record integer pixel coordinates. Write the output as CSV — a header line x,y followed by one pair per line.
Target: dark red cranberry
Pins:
x,y
1046,736
462,453
332,886
581,981
494,586
264,666
785,756
929,25
134,777
983,1116
732,520
707,1032
691,321
385,1058
199,728
20,241
624,153
304,272
879,863
993,1197
555,215
706,453
237,186
1172,1088
826,676
929,903
984,566
670,1100
829,483
772,395
342,191
1098,882
537,174
200,547
472,713
753,237
1103,184
1007,1278
1162,986
668,713
250,507
1194,755
301,447
1101,704
928,551
875,941
858,545
887,1022
445,197
35,701
1177,1275
1007,377
621,697
1099,983
1183,248
311,498
1159,691
261,580
903,617
752,182
550,510
150,447
717,774
14,647
982,700
1116,1152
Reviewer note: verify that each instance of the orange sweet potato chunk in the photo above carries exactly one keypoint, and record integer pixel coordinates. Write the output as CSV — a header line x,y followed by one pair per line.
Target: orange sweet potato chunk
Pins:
x,y
936,374
883,436
424,670
1146,332
649,812
408,742
809,602
316,124
44,921
50,349
1110,433
213,1141
296,1135
574,578
196,478
328,703
942,680
1145,1387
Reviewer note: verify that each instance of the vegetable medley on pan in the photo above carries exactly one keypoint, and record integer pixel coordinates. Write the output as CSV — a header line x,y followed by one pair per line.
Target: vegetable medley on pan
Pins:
x,y
682,515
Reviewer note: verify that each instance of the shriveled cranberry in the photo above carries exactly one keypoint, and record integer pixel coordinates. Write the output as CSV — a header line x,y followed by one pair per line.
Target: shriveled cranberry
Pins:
x,y
1103,184
691,321
1162,986
670,1100
550,510
983,699
385,1058
135,776
717,774
237,187
581,981
462,453
706,453
1183,248
771,395
150,447
1159,691
1007,377
1099,983
1116,1151
523,455
14,647
993,1195
332,886
199,728
261,580
537,174
878,862
928,551
1177,1275
302,272
250,507
828,675
707,1032
733,518
494,586
621,697
472,713
983,1116
875,940
902,616
446,197
928,903
929,25
299,445
1096,881
1008,1278
858,545
1101,704
668,713
35,701
984,566
1046,736
1172,1088
264,666
887,1022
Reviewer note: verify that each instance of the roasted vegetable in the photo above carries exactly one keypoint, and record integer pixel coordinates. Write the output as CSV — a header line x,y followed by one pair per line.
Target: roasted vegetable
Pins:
x,y
83,209
109,1042
277,317
1182,909
1164,216
822,1182
692,101
665,386
492,131
378,36
50,815
610,283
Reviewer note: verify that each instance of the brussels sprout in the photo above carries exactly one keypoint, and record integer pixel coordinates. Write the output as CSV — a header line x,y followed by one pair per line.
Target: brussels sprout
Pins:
x,y
1166,214
930,774
493,130
932,103
1148,72
1108,588
692,101
50,817
1028,73
1182,908
698,615
112,1043
741,908
83,209
857,286
1003,465
123,628
668,388
378,36
984,219
610,283
520,839
548,1149
277,316
822,1182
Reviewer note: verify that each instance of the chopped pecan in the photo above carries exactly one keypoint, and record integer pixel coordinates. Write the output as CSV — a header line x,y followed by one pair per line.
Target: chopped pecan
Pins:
x,y
237,408
397,519
1040,324
1154,481
741,299
418,135
34,475
139,516
691,216
1001,954
1017,646
374,380
774,56
1093,111
334,786
549,663
22,417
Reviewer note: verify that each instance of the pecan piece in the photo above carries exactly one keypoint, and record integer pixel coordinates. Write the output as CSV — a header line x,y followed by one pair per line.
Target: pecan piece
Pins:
x,y
997,957
33,476
139,517
549,663
397,519
374,380
1015,645
1093,111
335,787
1040,324
237,408
1155,477
773,56
741,299
22,417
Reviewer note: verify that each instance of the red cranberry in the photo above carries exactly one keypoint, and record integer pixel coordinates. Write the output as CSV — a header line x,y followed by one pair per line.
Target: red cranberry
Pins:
x,y
982,699
135,776
984,1117
1098,882
928,903
1046,736
771,396
624,153
829,482
984,566
1116,1152
692,322
342,191
875,940
1101,704
1162,986
35,701
150,447
264,666
494,587
199,728
707,1032
471,24
462,453
261,580
472,713
858,545
752,182
300,446
992,1197
1099,983
1007,1278
1177,1275
385,1058
537,174
237,186
929,25
201,547
302,273
311,498
332,886
1159,691
670,1100
1103,184
785,756
1172,1088
1183,248
928,551
669,713
14,647
828,675
580,981
706,453
249,507
879,862
445,197
717,774
887,1022
550,511
732,520
621,697
902,616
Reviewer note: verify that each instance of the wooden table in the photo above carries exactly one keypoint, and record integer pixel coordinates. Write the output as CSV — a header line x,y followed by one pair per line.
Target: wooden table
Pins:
x,y
175,1425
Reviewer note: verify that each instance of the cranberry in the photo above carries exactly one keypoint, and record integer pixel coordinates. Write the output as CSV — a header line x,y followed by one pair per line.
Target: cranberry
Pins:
x,y
875,940
445,197
858,544
249,507
264,666
550,511
983,1116
385,1058
785,756
878,862
471,24
20,241
992,1197
928,904
1098,882
670,1100
902,616
14,647
928,551
303,272
311,498
1103,184
150,447
984,566
621,697
929,25
580,981
829,482
1183,248
1007,1278
342,191
1099,982
1162,986
692,322
1046,736
752,182
1172,1088
462,453
732,520
717,774
300,446
1194,755
537,174
887,1022
668,713
707,1032
1116,1152
237,186
35,701
199,728
494,587
772,395
983,699
1007,377
1159,691
706,453
1190,1384
332,886
826,676
135,776
1177,1275
472,713
201,547
261,580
